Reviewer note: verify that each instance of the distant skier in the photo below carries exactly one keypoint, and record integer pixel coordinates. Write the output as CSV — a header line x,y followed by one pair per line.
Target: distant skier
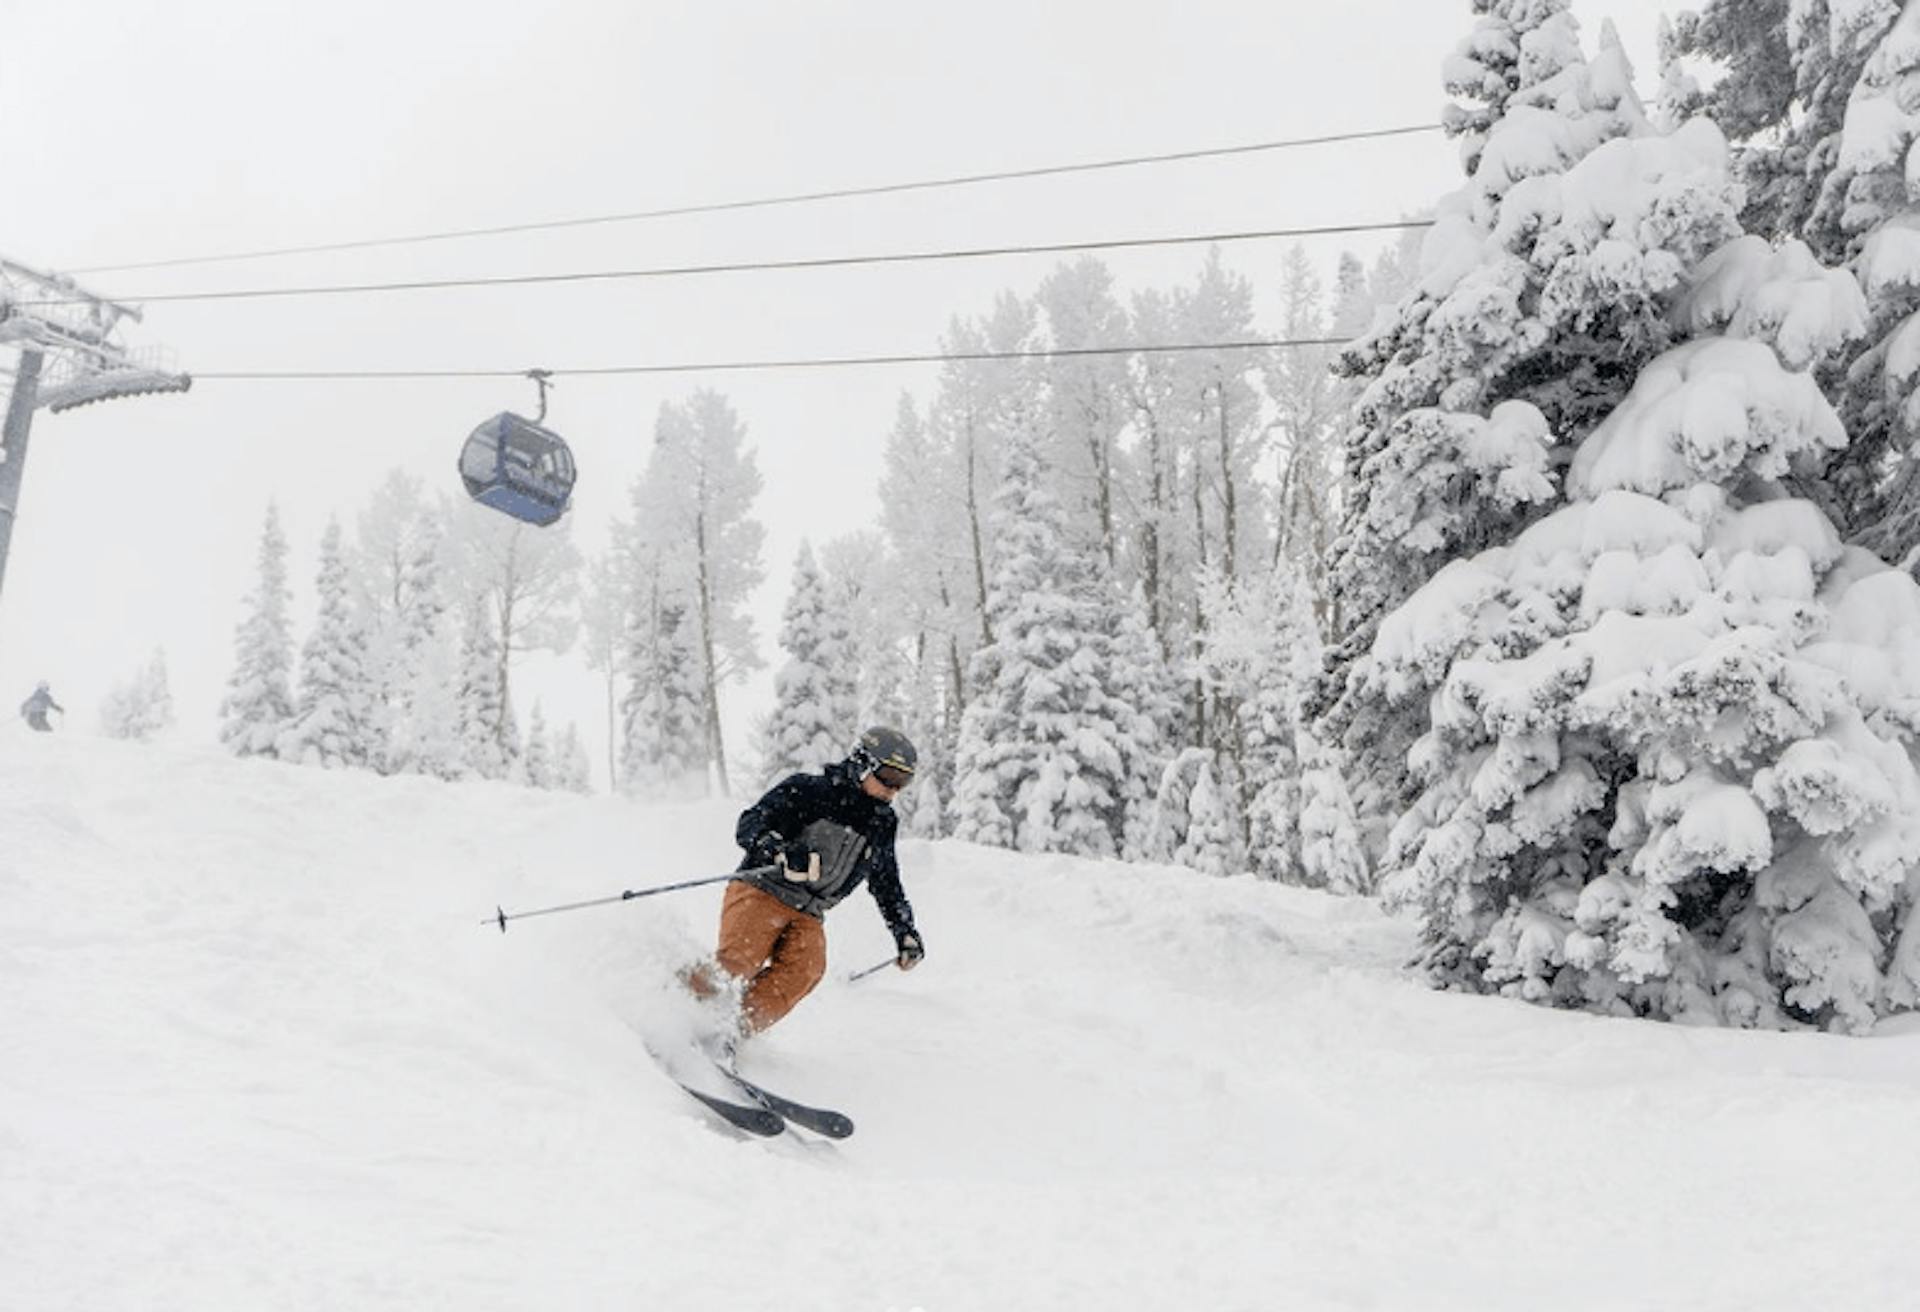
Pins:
x,y
827,833
34,709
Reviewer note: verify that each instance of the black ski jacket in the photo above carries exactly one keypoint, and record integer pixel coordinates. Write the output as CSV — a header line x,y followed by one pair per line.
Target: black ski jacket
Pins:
x,y
834,795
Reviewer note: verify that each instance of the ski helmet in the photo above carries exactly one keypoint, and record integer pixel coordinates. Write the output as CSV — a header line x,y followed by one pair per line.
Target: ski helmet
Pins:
x,y
887,753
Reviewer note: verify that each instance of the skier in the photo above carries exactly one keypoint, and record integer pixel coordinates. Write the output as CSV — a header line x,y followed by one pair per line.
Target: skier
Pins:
x,y
825,833
34,709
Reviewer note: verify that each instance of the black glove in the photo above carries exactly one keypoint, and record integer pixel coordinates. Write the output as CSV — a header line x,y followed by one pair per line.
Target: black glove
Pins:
x,y
776,849
802,863
910,949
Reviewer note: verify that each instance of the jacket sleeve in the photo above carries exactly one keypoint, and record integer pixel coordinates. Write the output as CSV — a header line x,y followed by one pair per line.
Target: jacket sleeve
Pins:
x,y
883,881
765,826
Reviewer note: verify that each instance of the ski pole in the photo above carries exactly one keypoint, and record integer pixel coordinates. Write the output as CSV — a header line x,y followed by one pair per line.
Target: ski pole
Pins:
x,y
500,917
859,975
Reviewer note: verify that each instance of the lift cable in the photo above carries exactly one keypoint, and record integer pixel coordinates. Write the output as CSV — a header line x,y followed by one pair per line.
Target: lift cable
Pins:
x,y
739,366
760,266
796,198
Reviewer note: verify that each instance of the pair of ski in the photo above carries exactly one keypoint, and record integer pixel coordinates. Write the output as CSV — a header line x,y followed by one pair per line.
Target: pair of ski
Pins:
x,y
766,1113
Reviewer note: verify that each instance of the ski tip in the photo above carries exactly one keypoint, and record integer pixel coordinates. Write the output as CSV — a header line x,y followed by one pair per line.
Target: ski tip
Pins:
x,y
835,1127
751,1120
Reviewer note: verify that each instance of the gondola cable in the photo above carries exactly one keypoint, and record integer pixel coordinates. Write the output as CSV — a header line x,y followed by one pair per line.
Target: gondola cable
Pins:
x,y
740,366
797,198
761,266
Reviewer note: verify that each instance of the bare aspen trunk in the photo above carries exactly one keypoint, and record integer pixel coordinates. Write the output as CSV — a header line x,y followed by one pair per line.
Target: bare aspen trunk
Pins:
x,y
1200,722
716,742
1150,537
613,730
973,527
1230,525
956,672
1100,451
502,732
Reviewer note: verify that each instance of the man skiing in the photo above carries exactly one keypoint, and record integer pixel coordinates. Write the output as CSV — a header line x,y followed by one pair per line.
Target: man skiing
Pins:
x,y
825,834
34,709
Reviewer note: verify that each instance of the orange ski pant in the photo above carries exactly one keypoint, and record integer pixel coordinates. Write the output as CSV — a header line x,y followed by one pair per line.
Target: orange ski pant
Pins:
x,y
777,953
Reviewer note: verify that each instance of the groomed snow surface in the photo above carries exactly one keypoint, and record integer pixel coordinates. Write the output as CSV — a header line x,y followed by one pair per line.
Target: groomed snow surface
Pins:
x,y
260,1053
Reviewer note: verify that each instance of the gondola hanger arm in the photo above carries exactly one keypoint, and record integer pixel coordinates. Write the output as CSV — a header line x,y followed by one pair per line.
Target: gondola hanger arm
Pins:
x,y
542,379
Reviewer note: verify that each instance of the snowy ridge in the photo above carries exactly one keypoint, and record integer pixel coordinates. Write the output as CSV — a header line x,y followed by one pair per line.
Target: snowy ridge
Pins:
x,y
262,1053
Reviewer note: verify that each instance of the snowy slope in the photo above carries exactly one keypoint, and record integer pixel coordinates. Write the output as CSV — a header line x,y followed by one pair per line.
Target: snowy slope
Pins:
x,y
260,1053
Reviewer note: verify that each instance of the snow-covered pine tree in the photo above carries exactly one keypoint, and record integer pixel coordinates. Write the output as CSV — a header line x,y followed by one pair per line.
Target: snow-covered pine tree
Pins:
x,y
424,735
331,726
1873,193
1788,73
1283,751
664,739
1040,762
142,707
1332,855
1173,803
1814,91
1680,96
431,740
1210,845
813,716
1142,690
259,702
538,768
1516,47
386,539
1755,89
1257,651
1236,658
1546,282
485,727
1671,770
923,808
574,773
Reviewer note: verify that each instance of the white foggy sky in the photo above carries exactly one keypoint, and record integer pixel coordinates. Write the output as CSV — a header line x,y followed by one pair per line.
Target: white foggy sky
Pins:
x,y
145,131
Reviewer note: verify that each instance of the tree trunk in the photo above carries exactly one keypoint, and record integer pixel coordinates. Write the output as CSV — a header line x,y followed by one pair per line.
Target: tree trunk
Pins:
x,y
1150,571
958,699
1230,524
716,742
503,731
1100,452
1200,726
973,527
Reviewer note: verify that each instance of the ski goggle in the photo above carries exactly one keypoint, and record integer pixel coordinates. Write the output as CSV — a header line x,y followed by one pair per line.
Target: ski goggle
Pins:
x,y
893,776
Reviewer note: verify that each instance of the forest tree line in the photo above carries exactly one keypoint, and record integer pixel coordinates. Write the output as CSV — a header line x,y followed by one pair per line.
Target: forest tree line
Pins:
x,y
1569,605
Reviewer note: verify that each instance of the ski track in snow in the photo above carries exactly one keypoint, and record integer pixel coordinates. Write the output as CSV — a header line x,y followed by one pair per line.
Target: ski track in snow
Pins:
x,y
261,1052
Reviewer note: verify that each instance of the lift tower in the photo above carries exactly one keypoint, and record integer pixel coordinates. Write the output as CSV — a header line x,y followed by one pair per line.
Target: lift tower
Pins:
x,y
68,356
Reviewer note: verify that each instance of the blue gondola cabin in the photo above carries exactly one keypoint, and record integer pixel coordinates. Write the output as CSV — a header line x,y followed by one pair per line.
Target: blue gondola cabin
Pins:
x,y
518,468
